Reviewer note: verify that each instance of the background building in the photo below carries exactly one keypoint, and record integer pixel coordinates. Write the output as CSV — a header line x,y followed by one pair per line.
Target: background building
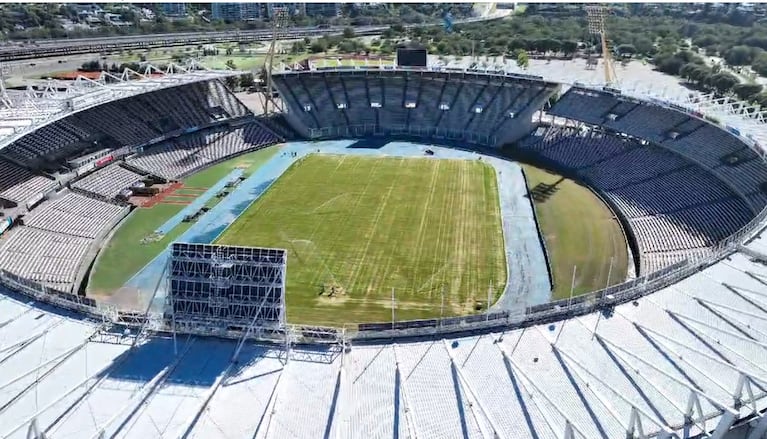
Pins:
x,y
173,9
323,9
236,11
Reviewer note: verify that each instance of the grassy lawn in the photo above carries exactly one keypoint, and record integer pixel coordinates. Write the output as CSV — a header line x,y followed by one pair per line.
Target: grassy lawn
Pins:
x,y
363,226
579,230
124,255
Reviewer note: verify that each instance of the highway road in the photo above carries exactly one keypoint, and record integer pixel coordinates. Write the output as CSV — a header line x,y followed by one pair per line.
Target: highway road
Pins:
x,y
13,51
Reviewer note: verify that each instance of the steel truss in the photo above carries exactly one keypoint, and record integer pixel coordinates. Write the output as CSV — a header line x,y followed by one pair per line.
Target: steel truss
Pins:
x,y
219,289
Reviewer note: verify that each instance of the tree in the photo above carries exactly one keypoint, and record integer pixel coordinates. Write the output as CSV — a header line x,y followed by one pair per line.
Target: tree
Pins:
x,y
523,60
297,47
247,80
232,82
318,46
569,47
739,56
723,81
626,49
348,33
644,45
746,92
91,66
759,64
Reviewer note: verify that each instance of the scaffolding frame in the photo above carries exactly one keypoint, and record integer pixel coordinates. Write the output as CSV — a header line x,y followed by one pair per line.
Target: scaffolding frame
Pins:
x,y
230,291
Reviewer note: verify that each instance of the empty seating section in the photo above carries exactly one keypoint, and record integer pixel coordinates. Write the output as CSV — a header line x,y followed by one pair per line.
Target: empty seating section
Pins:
x,y
564,149
43,256
401,101
134,121
636,165
43,141
109,181
708,144
648,122
178,157
657,261
621,108
587,105
393,112
672,206
114,121
665,193
19,185
74,214
51,243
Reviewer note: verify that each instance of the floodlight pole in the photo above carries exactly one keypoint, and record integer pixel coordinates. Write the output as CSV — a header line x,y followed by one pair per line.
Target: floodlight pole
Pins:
x,y
280,19
596,25
489,298
572,286
392,308
609,271
442,306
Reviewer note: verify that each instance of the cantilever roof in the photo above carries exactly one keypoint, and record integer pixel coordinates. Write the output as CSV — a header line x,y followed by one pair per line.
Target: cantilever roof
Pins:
x,y
25,112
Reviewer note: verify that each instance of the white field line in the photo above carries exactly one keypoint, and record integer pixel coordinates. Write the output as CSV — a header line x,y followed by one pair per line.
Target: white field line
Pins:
x,y
352,209
420,237
379,214
444,246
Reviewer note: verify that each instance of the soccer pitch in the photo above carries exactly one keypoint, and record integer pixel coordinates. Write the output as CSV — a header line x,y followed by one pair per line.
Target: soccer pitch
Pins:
x,y
357,227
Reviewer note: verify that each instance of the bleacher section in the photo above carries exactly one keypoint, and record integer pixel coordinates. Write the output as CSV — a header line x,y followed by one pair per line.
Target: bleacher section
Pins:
x,y
20,185
705,144
483,109
74,214
130,122
178,157
53,243
676,210
108,181
43,256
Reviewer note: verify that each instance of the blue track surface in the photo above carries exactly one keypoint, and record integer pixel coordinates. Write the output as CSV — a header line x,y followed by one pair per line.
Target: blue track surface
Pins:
x,y
528,281
199,202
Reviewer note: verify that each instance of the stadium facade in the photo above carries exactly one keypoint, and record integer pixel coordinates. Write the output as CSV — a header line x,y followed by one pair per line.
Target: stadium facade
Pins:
x,y
677,352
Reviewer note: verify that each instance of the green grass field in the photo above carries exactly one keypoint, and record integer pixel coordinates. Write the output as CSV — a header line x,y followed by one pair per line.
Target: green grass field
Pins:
x,y
124,255
579,230
367,225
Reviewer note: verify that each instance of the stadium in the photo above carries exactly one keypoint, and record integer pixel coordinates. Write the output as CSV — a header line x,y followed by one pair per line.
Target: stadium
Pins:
x,y
400,252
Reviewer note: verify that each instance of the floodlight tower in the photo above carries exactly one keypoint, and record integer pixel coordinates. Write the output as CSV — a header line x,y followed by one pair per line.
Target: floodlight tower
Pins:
x,y
595,14
4,98
280,20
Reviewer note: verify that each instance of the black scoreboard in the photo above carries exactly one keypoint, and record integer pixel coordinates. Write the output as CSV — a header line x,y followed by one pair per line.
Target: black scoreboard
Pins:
x,y
408,57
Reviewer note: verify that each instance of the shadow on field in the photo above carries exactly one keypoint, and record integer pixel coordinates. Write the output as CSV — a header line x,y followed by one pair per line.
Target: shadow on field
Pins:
x,y
370,143
542,191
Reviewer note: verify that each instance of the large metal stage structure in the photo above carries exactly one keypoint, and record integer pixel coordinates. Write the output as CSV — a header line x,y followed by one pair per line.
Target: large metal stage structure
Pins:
x,y
216,289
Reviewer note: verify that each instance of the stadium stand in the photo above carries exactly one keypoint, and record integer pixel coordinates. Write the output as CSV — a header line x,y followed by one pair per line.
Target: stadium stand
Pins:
x,y
19,185
646,359
133,121
475,108
109,181
671,205
178,157
74,214
618,367
47,257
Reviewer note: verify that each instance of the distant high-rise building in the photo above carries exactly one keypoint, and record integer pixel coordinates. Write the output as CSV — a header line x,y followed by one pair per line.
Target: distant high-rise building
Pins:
x,y
236,11
323,9
173,9
291,8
